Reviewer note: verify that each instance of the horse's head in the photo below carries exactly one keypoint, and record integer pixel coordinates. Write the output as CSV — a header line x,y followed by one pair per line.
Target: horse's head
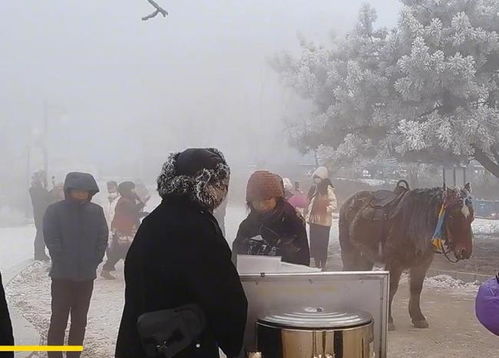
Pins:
x,y
459,216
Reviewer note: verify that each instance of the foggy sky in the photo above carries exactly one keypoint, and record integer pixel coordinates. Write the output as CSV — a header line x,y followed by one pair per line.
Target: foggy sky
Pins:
x,y
120,90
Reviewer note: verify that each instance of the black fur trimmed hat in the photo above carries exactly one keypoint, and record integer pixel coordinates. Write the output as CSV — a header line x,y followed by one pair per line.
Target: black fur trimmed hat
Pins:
x,y
201,175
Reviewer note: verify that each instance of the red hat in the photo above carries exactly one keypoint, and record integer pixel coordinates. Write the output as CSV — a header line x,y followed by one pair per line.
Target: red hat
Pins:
x,y
264,185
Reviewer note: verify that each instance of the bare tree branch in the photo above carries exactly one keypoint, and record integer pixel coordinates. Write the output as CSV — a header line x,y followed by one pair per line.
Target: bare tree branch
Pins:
x,y
496,155
486,161
159,10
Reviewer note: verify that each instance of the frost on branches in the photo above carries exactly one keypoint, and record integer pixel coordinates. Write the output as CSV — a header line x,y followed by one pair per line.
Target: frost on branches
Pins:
x,y
426,90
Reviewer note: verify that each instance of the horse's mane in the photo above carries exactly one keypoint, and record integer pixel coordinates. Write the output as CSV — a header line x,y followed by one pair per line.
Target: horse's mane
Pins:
x,y
417,215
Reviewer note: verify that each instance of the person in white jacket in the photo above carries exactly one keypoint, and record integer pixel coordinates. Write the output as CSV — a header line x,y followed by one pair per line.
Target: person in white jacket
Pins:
x,y
319,215
112,200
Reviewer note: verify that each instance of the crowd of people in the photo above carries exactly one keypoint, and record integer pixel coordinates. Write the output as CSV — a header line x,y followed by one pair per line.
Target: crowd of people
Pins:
x,y
41,198
177,254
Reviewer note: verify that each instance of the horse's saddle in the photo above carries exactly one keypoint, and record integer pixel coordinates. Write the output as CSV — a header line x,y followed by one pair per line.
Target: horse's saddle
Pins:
x,y
383,198
382,205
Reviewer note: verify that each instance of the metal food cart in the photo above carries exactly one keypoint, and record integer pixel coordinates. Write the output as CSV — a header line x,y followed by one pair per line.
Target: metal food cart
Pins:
x,y
338,291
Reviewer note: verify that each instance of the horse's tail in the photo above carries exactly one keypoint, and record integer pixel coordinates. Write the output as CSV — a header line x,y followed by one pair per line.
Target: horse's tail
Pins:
x,y
344,226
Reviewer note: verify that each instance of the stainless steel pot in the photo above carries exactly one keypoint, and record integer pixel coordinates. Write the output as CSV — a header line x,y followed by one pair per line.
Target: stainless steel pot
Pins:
x,y
315,333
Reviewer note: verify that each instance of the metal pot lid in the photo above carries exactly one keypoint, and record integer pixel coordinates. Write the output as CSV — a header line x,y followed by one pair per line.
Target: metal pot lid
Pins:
x,y
317,317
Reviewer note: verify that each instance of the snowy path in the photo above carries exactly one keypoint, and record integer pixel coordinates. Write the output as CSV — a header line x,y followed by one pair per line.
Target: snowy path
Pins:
x,y
16,248
30,291
16,251
454,330
448,304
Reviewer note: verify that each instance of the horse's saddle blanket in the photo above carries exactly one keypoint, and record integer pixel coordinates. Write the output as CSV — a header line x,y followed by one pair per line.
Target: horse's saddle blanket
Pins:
x,y
382,205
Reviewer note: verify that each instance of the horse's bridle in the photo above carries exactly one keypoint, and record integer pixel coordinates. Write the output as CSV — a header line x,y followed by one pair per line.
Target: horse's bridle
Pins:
x,y
447,252
446,247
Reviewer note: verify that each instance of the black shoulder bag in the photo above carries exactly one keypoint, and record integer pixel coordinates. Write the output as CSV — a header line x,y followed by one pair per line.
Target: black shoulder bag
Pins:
x,y
166,333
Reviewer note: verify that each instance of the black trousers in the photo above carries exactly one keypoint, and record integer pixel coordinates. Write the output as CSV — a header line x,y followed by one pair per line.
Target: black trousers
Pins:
x,y
116,252
39,244
69,297
6,337
319,243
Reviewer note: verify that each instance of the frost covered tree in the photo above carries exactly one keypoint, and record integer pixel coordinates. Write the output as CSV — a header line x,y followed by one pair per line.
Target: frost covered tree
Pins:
x,y
424,91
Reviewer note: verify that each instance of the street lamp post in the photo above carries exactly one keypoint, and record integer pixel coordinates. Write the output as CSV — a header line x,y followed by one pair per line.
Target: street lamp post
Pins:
x,y
45,140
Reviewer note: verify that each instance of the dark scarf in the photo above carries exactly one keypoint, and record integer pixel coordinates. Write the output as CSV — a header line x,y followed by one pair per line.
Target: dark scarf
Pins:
x,y
267,225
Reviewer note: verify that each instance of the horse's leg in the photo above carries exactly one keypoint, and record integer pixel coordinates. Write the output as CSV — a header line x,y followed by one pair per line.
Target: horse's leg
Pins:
x,y
417,276
349,253
395,273
364,264
349,260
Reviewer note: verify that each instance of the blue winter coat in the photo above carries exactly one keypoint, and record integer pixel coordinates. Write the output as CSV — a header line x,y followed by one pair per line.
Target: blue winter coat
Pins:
x,y
76,233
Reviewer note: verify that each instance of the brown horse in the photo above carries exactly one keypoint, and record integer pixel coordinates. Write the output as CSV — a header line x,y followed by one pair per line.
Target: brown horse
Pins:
x,y
396,229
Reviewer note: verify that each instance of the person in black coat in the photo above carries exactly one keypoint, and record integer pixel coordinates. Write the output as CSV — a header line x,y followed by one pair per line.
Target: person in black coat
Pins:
x,y
179,256
6,336
40,199
273,227
76,235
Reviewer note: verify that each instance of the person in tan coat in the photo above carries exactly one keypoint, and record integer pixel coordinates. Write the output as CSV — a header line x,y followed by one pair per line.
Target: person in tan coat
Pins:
x,y
319,215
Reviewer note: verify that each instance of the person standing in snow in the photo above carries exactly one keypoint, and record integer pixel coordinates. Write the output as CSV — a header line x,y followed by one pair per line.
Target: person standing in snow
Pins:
x,y
6,336
112,199
142,191
273,226
125,223
295,196
179,256
57,193
40,199
76,235
109,210
319,215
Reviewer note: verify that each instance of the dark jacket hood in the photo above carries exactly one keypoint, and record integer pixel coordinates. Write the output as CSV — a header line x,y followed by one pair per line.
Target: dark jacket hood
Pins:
x,y
80,181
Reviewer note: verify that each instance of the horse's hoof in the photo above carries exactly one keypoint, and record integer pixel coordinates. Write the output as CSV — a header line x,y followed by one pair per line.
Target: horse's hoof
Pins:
x,y
391,326
420,324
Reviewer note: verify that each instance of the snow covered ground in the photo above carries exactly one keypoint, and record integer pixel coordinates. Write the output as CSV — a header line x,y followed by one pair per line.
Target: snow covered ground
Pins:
x,y
16,251
16,247
486,227
10,217
30,291
454,331
447,282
